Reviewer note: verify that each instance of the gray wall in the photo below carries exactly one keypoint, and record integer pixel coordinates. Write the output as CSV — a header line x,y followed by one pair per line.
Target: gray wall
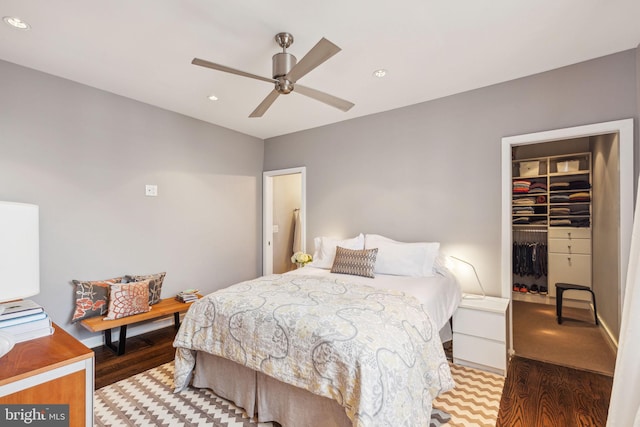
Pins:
x,y
84,156
432,171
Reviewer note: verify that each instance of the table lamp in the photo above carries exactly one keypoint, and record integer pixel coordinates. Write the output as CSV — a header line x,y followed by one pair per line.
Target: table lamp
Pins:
x,y
19,258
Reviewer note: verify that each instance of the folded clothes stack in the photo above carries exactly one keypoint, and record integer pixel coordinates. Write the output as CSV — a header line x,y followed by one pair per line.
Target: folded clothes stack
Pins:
x,y
538,187
521,186
582,196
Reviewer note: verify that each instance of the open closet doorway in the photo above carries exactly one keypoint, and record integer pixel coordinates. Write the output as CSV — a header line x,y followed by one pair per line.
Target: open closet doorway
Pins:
x,y
574,227
284,218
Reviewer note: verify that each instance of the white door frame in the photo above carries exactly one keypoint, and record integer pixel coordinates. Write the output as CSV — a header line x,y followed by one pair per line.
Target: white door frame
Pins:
x,y
624,129
267,212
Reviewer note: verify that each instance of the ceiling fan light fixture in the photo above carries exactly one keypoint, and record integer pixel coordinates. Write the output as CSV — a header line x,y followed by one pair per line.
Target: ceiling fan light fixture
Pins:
x,y
16,22
380,73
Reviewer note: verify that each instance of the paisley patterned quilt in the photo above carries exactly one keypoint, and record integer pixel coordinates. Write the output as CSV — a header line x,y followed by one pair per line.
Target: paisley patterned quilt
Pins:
x,y
376,352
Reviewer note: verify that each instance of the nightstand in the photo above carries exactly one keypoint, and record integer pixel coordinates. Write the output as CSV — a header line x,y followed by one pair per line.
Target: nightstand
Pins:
x,y
56,369
480,334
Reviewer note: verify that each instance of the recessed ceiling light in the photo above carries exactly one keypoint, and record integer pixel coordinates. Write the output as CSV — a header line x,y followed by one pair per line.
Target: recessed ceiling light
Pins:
x,y
16,22
380,73
212,98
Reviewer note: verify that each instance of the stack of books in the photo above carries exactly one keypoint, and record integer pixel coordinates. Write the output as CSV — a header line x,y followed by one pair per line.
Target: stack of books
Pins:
x,y
189,295
25,320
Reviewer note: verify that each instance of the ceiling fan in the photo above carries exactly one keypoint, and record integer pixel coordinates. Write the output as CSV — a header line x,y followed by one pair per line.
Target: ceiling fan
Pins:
x,y
287,71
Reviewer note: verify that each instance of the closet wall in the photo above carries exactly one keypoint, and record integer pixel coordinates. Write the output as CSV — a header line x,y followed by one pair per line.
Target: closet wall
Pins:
x,y
606,229
605,208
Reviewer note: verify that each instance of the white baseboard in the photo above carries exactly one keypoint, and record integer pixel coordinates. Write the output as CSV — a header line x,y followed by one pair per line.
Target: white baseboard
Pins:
x,y
611,340
132,331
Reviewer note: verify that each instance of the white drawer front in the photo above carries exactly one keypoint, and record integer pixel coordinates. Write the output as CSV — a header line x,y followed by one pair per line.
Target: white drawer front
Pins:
x,y
565,268
483,324
573,246
569,233
480,351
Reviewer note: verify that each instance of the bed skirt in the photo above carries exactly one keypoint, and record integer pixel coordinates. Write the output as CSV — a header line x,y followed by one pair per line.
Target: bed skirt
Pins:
x,y
262,396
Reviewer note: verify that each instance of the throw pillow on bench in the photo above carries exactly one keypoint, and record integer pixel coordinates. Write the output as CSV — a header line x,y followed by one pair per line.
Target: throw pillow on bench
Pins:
x,y
93,298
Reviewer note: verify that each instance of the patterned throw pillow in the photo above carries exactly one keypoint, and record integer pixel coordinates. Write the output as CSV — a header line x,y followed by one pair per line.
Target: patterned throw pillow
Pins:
x,y
360,262
126,299
92,298
155,284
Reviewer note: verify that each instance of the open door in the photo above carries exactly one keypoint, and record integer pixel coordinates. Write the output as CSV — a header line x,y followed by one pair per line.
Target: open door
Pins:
x,y
278,213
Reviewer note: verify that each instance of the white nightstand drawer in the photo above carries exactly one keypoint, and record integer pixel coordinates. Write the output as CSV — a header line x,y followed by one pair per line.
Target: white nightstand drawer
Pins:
x,y
479,351
484,324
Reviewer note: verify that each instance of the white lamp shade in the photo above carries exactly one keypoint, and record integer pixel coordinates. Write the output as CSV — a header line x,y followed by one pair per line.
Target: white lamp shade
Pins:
x,y
19,251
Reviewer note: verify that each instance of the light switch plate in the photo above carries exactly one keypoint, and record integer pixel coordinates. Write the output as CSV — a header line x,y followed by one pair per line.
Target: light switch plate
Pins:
x,y
150,190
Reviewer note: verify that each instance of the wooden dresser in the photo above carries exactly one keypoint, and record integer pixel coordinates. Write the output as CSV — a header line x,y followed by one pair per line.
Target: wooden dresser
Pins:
x,y
57,369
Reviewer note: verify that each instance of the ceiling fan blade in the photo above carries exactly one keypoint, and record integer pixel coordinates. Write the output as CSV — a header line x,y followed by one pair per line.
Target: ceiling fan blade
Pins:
x,y
265,104
322,51
207,64
334,101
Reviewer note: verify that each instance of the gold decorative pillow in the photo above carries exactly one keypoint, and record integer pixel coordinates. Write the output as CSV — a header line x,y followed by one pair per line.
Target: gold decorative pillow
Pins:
x,y
126,299
357,262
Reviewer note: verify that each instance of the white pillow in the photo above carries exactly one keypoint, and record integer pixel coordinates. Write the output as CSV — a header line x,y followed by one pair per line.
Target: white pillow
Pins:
x,y
403,259
325,249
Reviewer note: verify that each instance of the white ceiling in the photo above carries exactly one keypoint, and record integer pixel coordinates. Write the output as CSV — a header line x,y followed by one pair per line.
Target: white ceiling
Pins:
x,y
142,49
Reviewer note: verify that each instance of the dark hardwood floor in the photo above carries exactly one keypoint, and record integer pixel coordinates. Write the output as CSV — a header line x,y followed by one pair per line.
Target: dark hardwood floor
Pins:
x,y
143,352
536,394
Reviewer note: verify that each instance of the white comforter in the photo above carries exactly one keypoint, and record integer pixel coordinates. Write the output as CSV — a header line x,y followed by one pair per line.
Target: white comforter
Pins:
x,y
376,352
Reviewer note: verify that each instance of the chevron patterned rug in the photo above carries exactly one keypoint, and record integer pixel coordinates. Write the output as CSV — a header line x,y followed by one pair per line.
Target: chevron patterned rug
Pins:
x,y
147,399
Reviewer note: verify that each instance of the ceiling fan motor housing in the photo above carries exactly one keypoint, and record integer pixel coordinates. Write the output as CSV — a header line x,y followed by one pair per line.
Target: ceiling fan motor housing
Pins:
x,y
283,62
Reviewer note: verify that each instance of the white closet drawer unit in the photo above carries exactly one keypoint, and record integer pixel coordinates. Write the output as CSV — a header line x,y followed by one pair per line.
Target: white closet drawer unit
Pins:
x,y
570,268
480,334
570,246
569,233
569,259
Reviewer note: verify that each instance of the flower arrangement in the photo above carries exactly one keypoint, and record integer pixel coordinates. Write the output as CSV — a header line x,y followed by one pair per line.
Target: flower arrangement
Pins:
x,y
301,259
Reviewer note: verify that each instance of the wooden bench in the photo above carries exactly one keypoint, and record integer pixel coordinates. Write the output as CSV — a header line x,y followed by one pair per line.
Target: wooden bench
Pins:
x,y
164,308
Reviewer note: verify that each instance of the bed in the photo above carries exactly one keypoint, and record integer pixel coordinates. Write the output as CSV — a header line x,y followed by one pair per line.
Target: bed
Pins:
x,y
312,347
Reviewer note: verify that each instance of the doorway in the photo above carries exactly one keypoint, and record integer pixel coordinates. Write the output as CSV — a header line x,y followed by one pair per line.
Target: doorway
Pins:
x,y
284,218
621,225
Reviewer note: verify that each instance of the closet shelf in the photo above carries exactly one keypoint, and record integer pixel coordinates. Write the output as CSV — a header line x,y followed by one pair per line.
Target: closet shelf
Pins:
x,y
551,172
